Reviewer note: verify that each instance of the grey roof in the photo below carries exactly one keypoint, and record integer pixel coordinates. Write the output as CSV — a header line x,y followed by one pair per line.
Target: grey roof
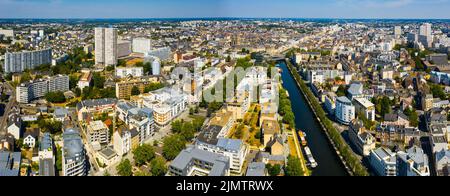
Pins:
x,y
218,162
256,169
108,153
230,144
46,167
96,102
61,112
46,142
10,163
343,100
356,89
73,146
385,154
443,154
209,135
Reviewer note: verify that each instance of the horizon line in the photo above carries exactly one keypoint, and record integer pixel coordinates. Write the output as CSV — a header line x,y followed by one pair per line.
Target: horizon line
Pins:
x,y
218,17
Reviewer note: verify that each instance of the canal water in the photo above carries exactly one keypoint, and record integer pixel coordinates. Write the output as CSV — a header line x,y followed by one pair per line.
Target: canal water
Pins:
x,y
322,150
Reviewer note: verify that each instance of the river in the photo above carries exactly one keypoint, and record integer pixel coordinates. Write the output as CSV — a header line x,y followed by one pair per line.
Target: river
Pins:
x,y
323,152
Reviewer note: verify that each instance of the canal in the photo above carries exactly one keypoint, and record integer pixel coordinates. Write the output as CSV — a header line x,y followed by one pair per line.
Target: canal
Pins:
x,y
322,150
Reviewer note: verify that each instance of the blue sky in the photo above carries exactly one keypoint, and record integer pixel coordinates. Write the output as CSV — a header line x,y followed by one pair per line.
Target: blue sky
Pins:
x,y
225,8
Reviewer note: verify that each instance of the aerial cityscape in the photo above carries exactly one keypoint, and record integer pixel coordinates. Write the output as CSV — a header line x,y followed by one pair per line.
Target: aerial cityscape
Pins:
x,y
225,88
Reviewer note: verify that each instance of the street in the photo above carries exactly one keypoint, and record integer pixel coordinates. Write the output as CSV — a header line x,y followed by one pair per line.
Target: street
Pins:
x,y
11,103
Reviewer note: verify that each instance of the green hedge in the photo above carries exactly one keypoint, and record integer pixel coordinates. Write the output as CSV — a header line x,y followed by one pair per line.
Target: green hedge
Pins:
x,y
352,161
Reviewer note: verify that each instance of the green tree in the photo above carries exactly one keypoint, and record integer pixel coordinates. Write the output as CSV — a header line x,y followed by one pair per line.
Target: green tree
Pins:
x,y
124,168
173,145
55,97
99,80
293,167
143,154
273,170
342,91
135,91
158,166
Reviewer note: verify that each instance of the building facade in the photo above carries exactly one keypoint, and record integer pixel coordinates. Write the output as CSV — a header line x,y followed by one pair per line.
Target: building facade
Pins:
x,y
106,46
20,61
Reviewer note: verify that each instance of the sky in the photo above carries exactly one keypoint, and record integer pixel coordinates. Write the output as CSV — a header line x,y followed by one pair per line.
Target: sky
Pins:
x,y
400,9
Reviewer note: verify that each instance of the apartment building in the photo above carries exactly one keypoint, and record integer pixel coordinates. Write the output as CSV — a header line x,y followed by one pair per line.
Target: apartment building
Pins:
x,y
106,46
196,162
235,150
97,131
345,111
74,155
20,61
124,88
123,72
31,90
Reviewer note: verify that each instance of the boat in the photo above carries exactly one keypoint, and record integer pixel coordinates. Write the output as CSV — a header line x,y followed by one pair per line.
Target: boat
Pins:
x,y
302,136
312,162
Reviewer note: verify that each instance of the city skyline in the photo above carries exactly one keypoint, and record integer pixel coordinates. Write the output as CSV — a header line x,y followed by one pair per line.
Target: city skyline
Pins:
x,y
345,9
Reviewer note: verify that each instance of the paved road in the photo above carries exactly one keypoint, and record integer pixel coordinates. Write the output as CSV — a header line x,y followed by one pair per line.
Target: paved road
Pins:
x,y
11,103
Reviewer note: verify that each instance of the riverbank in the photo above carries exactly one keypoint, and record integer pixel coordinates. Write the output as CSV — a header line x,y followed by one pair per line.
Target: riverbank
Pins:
x,y
343,151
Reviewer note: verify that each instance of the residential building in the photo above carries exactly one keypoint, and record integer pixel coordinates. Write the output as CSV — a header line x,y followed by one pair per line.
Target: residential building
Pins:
x,y
427,102
345,111
106,46
122,141
74,156
270,129
235,150
20,61
365,107
29,91
442,160
97,131
383,162
89,107
166,104
123,48
163,54
31,137
256,169
124,88
124,72
156,67
142,45
85,80
413,162
361,139
195,162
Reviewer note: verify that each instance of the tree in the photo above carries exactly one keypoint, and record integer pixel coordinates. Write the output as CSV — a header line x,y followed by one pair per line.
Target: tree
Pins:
x,y
26,76
143,154
99,81
341,91
135,91
438,91
293,167
273,170
124,168
55,97
173,145
158,166
413,117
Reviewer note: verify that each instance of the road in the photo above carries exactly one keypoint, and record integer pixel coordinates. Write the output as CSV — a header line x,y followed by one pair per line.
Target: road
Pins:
x,y
11,103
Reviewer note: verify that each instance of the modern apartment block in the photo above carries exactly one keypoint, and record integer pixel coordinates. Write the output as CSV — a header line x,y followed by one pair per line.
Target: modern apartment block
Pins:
x,y
196,162
124,88
20,61
345,111
74,155
234,149
106,46
141,45
97,131
383,162
29,91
